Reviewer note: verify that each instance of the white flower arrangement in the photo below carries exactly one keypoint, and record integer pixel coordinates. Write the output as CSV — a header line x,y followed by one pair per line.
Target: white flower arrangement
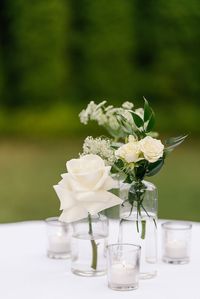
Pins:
x,y
138,153
132,152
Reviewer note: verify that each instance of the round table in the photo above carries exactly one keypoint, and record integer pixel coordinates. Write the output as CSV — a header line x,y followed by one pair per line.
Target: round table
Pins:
x,y
27,273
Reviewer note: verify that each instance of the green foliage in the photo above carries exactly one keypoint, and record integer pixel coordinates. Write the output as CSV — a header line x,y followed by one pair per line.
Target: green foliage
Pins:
x,y
109,44
154,168
34,59
73,51
173,142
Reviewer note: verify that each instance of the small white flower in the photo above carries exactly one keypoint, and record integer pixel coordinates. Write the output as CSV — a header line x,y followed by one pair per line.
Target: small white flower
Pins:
x,y
84,189
85,115
100,147
99,116
151,148
113,123
127,105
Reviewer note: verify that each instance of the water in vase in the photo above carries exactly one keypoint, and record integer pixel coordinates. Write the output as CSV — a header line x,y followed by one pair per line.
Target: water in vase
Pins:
x,y
142,232
82,255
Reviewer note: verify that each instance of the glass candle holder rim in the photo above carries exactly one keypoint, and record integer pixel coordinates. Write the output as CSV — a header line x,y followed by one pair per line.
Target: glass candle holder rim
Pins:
x,y
176,225
93,218
133,246
54,221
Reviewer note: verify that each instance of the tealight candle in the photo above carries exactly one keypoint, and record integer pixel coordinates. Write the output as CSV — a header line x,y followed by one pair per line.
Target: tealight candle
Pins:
x,y
123,266
176,249
123,274
176,242
59,244
59,237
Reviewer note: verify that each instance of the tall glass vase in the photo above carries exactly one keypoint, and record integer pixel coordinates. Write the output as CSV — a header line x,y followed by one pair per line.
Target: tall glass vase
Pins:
x,y
88,248
138,217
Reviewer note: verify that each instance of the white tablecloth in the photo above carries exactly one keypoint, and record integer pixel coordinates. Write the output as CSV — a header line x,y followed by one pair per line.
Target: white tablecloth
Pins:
x,y
26,272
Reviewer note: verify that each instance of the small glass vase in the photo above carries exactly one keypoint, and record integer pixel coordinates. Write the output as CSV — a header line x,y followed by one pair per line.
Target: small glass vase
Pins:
x,y
138,224
58,238
88,248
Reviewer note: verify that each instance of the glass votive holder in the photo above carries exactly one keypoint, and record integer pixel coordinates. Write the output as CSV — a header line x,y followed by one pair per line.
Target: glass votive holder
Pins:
x,y
176,239
58,238
123,266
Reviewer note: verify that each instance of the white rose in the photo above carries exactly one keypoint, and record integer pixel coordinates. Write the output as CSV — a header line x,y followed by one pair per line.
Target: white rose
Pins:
x,y
130,151
151,148
84,189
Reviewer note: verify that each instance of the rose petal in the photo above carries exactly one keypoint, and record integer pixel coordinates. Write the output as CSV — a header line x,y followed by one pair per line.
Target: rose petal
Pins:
x,y
88,181
110,183
74,214
67,199
103,200
65,182
85,164
101,184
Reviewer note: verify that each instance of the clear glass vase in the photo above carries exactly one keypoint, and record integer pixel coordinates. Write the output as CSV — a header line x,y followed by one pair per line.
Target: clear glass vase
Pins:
x,y
88,248
138,223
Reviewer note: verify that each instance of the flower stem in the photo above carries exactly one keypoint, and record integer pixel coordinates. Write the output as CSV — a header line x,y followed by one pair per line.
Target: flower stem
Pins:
x,y
94,245
143,229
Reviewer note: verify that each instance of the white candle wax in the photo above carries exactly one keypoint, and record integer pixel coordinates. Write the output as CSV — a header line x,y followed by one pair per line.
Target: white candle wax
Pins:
x,y
123,274
176,249
59,244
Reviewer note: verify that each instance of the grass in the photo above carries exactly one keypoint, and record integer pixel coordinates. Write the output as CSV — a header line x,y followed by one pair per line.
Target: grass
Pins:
x,y
29,169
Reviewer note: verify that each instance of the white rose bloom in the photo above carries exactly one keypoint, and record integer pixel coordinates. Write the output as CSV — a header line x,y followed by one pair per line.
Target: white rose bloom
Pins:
x,y
130,152
151,148
84,189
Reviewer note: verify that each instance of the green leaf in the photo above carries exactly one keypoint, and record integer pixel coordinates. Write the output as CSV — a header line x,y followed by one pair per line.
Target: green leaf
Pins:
x,y
147,110
151,123
137,120
128,179
140,172
173,142
117,166
149,116
154,168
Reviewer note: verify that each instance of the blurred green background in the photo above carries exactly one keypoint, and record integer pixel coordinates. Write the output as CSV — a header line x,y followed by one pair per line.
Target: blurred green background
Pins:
x,y
57,55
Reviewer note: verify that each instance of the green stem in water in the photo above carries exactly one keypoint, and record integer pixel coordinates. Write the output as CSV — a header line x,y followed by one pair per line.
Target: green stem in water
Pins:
x,y
94,245
137,221
143,233
154,220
